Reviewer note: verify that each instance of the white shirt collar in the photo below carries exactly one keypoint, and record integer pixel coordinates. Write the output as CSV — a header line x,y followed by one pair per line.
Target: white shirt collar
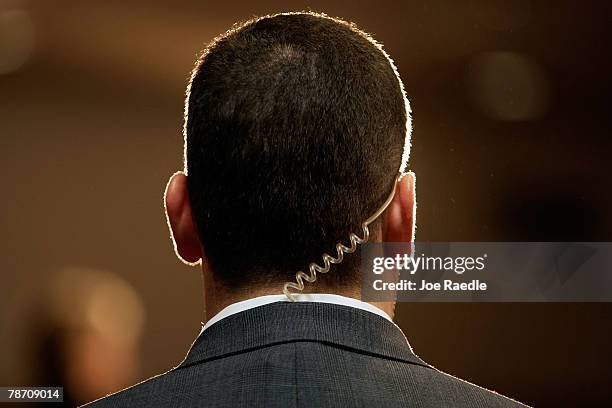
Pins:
x,y
314,297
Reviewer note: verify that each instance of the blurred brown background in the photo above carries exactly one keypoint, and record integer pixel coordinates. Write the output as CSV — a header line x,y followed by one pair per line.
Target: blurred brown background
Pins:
x,y
511,105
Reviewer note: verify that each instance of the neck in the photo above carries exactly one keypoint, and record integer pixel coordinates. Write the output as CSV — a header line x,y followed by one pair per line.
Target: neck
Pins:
x,y
217,297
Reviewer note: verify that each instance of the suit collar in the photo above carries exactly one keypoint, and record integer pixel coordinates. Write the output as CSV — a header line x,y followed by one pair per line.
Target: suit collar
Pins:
x,y
300,297
284,322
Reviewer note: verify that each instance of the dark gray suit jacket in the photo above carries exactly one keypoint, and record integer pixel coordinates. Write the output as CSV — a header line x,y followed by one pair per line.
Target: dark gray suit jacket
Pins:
x,y
303,355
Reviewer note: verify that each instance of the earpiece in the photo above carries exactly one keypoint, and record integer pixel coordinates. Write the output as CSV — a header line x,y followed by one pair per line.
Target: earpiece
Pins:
x,y
341,249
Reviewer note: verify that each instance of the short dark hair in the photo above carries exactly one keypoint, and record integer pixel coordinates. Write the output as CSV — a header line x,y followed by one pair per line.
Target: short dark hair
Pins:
x,y
296,126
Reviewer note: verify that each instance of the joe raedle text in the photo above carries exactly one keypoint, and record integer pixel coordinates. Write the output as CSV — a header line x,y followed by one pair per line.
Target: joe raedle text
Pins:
x,y
423,285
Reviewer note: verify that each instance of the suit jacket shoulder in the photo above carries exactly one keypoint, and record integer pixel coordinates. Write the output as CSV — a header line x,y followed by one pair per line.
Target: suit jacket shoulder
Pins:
x,y
304,355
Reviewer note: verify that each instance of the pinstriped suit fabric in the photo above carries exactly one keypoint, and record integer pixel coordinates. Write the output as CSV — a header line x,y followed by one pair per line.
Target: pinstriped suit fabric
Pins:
x,y
304,355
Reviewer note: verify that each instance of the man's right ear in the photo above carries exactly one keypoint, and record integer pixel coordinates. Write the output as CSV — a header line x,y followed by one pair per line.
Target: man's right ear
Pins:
x,y
180,220
399,219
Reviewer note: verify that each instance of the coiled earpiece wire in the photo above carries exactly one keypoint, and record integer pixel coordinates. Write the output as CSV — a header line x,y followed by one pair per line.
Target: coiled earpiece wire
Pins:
x,y
341,249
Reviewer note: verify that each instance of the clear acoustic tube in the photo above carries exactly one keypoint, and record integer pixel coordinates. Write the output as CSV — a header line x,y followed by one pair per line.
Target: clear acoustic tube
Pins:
x,y
341,249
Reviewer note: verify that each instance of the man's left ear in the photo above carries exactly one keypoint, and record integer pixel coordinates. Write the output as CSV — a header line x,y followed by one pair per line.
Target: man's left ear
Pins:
x,y
180,220
399,219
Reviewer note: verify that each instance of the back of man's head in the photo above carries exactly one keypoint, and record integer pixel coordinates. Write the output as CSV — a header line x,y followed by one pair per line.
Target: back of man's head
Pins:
x,y
296,127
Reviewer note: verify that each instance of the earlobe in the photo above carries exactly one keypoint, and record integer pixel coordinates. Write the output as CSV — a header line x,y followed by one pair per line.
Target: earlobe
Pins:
x,y
180,220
